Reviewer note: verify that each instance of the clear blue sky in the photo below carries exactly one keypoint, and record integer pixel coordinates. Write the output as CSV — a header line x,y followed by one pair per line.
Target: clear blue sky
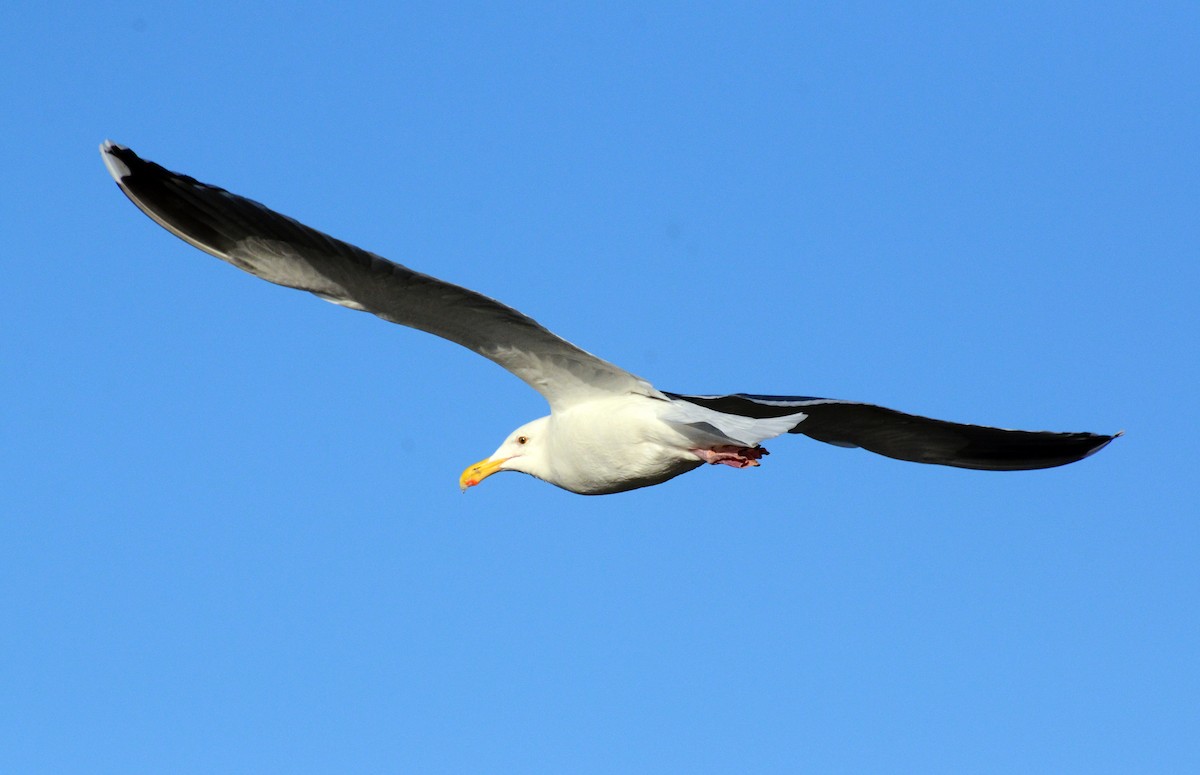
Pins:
x,y
231,536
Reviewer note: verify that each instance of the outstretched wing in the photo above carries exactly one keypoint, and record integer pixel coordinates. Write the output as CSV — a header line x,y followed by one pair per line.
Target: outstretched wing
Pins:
x,y
909,437
281,250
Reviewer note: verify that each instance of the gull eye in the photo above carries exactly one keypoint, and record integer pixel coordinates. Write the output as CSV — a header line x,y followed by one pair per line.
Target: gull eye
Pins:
x,y
522,439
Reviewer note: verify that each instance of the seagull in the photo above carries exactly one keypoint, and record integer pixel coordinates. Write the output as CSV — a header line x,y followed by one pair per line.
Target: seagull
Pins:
x,y
608,430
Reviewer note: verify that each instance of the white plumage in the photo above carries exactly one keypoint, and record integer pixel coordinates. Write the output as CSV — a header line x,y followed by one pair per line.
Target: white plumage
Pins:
x,y
608,430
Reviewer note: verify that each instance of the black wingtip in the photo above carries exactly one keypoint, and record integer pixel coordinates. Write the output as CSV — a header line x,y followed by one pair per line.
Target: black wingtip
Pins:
x,y
1106,441
117,158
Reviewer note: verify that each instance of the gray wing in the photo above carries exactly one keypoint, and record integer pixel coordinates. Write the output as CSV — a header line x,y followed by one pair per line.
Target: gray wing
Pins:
x,y
908,436
284,251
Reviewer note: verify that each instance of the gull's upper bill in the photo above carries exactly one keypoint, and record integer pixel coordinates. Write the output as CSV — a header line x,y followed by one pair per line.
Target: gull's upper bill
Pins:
x,y
607,430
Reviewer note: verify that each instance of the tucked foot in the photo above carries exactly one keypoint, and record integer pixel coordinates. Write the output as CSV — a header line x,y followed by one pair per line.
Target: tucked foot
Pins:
x,y
738,457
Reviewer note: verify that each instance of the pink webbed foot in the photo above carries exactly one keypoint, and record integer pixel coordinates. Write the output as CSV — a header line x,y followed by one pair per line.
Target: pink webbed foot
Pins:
x,y
738,457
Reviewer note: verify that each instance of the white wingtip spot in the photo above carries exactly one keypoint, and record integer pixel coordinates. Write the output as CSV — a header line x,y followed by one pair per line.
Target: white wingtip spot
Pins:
x,y
116,167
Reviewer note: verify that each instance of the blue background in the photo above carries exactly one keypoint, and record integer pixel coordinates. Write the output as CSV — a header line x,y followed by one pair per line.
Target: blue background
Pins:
x,y
231,535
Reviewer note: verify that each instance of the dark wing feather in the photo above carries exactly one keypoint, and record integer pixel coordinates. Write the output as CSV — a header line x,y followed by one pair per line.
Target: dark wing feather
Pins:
x,y
284,251
910,437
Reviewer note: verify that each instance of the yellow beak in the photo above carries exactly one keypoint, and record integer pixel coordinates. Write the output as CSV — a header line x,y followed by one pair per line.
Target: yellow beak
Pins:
x,y
480,471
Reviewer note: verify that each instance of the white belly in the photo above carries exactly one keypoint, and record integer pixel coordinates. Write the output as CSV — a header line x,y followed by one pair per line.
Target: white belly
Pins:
x,y
613,445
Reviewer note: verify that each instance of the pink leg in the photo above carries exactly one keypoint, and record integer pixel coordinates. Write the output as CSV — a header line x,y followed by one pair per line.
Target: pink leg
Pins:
x,y
738,457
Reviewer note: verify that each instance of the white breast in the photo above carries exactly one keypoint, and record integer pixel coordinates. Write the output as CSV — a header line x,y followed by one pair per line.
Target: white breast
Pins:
x,y
614,444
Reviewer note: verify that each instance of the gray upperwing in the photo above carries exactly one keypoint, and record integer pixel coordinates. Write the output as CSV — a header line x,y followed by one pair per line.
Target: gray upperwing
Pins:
x,y
284,251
